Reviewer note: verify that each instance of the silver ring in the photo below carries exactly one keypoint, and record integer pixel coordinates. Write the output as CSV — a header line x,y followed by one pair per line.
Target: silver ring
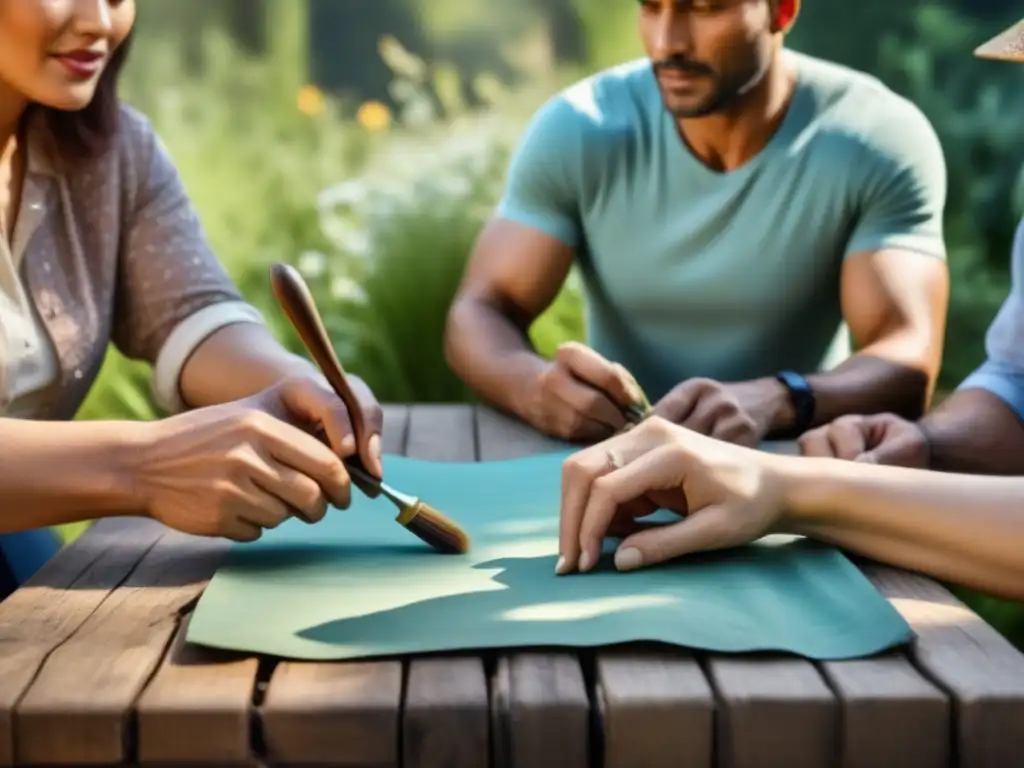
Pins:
x,y
614,460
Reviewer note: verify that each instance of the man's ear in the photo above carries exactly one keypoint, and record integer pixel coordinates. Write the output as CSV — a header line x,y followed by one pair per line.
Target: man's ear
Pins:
x,y
786,12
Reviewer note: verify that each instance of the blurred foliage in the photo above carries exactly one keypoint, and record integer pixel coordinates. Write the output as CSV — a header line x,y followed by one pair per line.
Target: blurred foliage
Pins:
x,y
365,143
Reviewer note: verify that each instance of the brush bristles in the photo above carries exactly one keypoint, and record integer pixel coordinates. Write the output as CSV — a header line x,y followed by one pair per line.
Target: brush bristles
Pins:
x,y
435,529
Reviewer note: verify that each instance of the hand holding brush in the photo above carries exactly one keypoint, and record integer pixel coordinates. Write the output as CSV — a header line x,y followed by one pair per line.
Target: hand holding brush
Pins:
x,y
292,293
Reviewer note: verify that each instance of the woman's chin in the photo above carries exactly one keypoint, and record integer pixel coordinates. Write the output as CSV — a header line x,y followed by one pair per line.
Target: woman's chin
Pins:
x,y
68,98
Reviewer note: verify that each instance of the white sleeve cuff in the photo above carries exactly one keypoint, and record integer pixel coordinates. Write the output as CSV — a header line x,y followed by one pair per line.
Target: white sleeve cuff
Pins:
x,y
183,341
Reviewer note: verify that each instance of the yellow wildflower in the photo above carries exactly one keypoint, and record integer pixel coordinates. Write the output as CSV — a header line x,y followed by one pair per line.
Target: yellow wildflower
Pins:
x,y
310,100
374,116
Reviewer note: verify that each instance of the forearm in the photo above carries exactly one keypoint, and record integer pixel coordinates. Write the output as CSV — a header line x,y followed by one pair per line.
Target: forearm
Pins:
x,y
491,353
961,528
975,432
862,384
60,472
870,382
236,362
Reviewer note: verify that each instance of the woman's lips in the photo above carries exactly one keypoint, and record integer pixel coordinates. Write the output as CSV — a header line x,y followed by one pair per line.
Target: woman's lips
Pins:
x,y
82,64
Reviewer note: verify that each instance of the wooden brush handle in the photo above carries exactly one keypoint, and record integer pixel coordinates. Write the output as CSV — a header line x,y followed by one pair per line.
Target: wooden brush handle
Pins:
x,y
297,302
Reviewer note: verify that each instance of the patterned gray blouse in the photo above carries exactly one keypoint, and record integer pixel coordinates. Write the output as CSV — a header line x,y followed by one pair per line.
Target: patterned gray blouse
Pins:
x,y
110,251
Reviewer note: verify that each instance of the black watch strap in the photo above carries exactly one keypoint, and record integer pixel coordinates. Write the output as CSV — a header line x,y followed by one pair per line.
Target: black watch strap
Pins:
x,y
802,397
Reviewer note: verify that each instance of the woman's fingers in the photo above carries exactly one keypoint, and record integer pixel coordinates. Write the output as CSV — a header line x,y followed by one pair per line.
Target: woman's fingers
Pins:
x,y
622,526
658,470
711,528
579,472
300,493
241,530
373,420
583,469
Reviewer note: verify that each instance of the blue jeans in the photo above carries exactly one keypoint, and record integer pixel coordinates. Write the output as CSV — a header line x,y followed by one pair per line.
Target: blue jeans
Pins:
x,y
22,554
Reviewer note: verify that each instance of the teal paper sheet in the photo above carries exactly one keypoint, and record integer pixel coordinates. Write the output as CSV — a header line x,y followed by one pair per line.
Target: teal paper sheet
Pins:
x,y
358,585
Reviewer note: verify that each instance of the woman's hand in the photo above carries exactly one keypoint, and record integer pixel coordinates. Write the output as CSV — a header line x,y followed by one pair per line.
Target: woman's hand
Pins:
x,y
726,494
236,469
310,404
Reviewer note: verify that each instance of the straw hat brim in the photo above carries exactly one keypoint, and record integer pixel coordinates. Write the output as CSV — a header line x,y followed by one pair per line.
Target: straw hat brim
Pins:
x,y
1006,46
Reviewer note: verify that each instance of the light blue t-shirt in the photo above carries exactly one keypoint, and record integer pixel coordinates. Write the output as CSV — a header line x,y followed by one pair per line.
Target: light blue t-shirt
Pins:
x,y
691,272
1002,373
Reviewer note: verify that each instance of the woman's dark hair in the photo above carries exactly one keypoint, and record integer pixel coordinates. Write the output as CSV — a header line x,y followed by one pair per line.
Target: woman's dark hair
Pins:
x,y
89,132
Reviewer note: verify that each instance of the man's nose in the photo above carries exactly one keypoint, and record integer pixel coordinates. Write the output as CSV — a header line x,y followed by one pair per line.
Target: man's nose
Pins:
x,y
673,36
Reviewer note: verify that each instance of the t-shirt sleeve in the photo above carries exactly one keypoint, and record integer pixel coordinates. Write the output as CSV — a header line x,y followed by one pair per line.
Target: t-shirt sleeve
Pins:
x,y
1002,372
542,184
902,185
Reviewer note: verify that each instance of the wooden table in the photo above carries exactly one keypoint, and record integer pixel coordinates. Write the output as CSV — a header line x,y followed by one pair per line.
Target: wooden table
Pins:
x,y
93,670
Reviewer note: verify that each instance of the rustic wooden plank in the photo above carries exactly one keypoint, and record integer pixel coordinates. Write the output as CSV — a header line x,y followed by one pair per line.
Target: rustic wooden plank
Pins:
x,y
343,714
501,436
541,712
441,432
395,433
501,706
197,707
63,594
892,715
445,722
969,659
657,708
773,712
338,714
79,708
541,704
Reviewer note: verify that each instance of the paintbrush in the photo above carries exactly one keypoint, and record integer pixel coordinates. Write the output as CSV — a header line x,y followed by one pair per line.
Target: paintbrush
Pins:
x,y
418,517
636,411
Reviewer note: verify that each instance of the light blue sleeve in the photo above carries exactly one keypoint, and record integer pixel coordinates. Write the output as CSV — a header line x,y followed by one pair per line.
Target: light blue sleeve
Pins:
x,y
542,186
1002,373
903,187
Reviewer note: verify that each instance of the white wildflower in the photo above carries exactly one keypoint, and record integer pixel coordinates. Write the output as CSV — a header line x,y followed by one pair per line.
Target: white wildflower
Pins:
x,y
346,289
312,264
346,195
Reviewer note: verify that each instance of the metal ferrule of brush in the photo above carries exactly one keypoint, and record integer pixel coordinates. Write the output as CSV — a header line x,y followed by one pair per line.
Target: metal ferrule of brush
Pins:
x,y
635,413
363,478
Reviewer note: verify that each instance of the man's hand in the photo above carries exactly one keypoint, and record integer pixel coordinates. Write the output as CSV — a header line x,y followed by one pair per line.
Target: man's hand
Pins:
x,y
737,413
877,439
580,396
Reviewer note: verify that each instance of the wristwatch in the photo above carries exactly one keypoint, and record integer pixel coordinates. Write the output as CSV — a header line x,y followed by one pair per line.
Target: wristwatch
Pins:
x,y
802,397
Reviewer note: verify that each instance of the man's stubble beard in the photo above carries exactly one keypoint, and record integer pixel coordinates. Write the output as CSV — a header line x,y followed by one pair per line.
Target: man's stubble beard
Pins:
x,y
725,95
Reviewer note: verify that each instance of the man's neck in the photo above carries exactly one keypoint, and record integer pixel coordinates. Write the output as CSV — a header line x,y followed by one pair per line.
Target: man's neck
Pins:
x,y
727,140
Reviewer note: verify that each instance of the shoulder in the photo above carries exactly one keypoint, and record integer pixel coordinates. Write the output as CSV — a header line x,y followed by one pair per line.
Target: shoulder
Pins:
x,y
613,98
138,165
140,155
134,168
876,128
600,109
